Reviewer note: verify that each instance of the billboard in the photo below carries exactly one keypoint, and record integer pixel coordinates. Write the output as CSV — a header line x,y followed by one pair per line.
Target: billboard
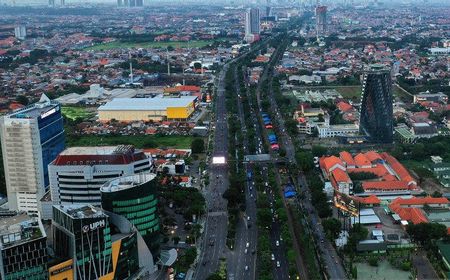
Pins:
x,y
346,204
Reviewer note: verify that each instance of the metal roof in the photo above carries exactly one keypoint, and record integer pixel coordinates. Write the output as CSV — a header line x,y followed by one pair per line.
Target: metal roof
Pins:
x,y
146,104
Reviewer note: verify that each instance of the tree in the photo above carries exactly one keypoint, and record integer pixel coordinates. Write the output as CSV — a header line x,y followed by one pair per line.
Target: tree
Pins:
x,y
22,99
319,151
426,233
197,146
332,227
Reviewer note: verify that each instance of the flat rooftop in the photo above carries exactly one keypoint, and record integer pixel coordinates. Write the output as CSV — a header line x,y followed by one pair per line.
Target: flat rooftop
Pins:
x,y
146,104
127,182
101,150
81,211
19,229
33,111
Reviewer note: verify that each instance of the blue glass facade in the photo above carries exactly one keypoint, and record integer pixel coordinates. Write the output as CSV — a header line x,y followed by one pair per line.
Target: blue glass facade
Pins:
x,y
51,133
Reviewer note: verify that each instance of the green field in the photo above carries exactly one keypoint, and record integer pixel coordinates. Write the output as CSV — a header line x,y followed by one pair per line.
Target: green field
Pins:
x,y
139,141
350,92
150,44
74,113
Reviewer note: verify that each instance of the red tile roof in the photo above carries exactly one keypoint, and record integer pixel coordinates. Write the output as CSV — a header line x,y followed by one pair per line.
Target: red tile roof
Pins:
x,y
373,156
347,158
340,175
398,168
344,106
379,170
420,200
373,199
385,185
361,160
328,162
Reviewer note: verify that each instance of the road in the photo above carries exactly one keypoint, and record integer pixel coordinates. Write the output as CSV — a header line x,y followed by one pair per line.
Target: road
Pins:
x,y
213,245
241,262
333,264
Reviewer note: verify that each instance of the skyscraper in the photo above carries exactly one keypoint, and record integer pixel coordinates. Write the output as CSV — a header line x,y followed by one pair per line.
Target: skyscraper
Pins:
x,y
20,32
83,234
376,120
31,138
321,20
135,198
252,24
23,248
100,244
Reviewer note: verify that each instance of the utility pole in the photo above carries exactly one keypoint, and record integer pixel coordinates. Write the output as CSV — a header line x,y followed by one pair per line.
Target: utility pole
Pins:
x,y
168,63
131,69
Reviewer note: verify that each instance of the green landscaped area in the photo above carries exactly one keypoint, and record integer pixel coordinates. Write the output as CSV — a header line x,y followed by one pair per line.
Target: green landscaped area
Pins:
x,y
350,92
74,113
150,44
382,271
139,141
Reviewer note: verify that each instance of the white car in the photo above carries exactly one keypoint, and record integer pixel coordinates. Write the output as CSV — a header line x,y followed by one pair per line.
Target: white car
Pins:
x,y
278,264
247,245
272,257
246,267
277,243
245,251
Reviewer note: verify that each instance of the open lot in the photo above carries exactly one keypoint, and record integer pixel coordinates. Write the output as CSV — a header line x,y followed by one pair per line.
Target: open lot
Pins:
x,y
150,44
383,271
74,113
139,141
350,92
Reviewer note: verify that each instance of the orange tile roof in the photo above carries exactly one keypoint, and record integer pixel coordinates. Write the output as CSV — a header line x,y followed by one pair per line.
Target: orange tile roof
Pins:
x,y
181,88
415,215
328,162
373,156
379,170
347,158
362,160
340,176
344,106
420,200
385,185
401,171
373,199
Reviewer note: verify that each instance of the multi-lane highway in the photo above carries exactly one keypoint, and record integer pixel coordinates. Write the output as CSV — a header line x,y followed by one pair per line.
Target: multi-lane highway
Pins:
x,y
213,245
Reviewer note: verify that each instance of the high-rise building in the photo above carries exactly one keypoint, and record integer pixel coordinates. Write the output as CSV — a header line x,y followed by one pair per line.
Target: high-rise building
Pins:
x,y
23,248
31,138
135,198
139,3
84,235
101,245
321,20
51,3
252,24
20,32
77,173
376,120
119,3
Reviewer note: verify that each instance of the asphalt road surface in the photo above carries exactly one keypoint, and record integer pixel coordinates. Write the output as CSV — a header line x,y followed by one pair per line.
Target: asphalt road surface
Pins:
x,y
213,245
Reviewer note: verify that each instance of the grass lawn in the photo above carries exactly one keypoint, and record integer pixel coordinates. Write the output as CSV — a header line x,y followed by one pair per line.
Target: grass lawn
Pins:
x,y
350,92
150,44
401,94
383,271
74,113
139,141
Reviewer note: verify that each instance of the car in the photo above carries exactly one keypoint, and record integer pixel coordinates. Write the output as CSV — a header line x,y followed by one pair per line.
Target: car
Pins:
x,y
278,264
272,257
281,238
248,218
253,252
245,251
277,243
321,241
249,225
247,245
246,267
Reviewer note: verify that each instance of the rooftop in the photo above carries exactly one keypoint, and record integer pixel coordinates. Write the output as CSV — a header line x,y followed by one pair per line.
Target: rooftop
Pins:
x,y
40,109
127,182
81,211
145,104
19,228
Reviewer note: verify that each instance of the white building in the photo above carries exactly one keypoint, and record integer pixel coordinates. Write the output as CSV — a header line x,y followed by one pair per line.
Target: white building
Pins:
x,y
20,32
31,138
77,174
326,131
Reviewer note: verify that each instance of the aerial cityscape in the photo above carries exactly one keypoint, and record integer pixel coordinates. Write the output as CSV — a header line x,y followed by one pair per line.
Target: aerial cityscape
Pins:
x,y
224,139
